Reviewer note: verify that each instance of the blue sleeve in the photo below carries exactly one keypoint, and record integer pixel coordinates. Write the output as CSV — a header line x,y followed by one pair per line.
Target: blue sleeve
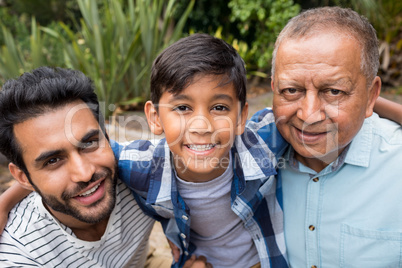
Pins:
x,y
263,122
134,164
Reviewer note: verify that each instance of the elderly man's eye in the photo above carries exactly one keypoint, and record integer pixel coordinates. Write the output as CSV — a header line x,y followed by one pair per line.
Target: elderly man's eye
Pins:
x,y
335,92
290,90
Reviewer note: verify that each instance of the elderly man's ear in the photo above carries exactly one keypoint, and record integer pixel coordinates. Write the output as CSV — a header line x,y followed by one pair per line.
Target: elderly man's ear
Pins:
x,y
20,176
373,91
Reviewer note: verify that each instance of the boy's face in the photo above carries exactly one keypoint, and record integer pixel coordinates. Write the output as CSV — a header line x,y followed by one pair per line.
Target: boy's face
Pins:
x,y
200,125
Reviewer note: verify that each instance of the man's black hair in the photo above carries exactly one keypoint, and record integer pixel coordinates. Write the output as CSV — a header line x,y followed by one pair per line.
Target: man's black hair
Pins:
x,y
35,93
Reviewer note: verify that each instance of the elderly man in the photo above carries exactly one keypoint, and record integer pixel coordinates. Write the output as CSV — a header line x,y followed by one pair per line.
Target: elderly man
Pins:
x,y
80,214
341,175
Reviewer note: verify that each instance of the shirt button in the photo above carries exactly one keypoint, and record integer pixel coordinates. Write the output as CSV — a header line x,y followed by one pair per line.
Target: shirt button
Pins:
x,y
184,217
186,253
183,235
312,228
316,179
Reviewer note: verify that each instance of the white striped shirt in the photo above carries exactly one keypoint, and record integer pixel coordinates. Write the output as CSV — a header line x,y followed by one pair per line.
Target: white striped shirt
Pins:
x,y
32,237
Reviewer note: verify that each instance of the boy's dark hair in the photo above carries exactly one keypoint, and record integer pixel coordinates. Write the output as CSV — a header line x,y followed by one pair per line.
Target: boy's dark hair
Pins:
x,y
38,92
175,68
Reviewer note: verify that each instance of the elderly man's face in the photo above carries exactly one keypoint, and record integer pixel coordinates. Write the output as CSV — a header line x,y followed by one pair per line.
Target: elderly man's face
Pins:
x,y
69,162
321,97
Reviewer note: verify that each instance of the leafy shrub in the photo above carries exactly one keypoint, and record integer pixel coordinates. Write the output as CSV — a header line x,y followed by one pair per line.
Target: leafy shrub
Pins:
x,y
261,21
116,46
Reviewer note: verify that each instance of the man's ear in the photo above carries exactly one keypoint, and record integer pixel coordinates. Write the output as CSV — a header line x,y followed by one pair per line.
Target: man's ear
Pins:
x,y
241,123
153,119
374,92
20,176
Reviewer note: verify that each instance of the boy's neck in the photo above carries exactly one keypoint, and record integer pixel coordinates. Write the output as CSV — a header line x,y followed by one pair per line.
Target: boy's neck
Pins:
x,y
186,174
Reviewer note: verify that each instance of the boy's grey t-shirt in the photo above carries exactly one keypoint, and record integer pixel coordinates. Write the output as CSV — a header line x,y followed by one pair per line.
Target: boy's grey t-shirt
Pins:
x,y
216,230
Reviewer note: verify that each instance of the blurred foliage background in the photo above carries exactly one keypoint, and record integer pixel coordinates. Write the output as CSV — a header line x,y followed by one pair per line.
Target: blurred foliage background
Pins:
x,y
115,41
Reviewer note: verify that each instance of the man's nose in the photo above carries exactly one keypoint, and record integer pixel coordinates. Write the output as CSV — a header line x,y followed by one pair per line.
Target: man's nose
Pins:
x,y
199,124
81,169
311,109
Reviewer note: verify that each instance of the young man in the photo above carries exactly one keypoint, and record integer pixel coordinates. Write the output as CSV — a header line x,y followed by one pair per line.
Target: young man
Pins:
x,y
79,214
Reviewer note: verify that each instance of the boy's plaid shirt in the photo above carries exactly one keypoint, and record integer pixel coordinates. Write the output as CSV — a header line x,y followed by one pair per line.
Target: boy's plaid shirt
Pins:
x,y
256,196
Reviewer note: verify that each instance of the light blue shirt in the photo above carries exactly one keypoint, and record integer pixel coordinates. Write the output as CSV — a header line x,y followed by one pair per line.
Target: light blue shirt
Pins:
x,y
350,213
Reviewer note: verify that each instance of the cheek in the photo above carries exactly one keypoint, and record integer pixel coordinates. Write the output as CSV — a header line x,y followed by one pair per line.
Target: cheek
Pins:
x,y
104,157
224,130
51,182
348,126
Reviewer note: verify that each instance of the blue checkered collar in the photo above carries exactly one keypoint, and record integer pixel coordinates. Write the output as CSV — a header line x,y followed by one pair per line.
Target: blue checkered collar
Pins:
x,y
251,161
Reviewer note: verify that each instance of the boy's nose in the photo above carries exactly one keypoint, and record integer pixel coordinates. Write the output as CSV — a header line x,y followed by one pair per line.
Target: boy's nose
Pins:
x,y
199,124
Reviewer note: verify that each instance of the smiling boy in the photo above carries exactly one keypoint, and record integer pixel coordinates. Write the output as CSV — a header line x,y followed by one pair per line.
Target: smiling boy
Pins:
x,y
211,180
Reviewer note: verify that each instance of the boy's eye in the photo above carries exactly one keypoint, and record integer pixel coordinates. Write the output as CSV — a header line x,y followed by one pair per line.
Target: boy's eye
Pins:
x,y
181,108
220,108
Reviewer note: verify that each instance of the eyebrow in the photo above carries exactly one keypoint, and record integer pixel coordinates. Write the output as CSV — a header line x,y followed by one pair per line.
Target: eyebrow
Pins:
x,y
215,97
223,96
46,155
90,134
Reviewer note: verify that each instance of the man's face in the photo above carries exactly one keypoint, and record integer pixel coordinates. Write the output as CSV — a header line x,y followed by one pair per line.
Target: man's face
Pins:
x,y
321,97
200,125
70,163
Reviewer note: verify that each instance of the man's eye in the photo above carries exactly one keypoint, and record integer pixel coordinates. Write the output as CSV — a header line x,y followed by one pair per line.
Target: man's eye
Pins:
x,y
52,161
90,144
335,92
289,91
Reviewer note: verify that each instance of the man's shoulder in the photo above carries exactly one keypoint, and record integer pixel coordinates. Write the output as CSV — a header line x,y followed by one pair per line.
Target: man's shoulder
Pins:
x,y
25,215
387,130
28,232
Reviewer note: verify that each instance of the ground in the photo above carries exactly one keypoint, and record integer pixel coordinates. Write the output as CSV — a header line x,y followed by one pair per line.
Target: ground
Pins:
x,y
135,128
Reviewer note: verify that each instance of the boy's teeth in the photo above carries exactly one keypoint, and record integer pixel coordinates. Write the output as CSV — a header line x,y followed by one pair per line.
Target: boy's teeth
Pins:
x,y
203,147
90,191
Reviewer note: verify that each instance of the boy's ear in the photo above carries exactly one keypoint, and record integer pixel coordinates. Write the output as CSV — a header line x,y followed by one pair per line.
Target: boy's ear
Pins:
x,y
153,119
20,176
241,123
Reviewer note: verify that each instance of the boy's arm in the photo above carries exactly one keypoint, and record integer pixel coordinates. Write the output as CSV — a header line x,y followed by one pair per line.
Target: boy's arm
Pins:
x,y
8,200
388,109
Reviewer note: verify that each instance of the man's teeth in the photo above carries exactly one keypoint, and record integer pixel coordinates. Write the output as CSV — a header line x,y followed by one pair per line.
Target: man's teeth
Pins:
x,y
90,191
204,147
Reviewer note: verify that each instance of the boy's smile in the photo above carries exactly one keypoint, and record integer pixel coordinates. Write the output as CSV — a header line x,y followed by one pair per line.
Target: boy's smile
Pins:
x,y
200,124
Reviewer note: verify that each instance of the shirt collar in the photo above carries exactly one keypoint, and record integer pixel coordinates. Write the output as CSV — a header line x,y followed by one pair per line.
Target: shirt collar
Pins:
x,y
251,157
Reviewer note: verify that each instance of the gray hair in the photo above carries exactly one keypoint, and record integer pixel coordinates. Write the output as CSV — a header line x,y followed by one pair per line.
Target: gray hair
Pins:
x,y
339,19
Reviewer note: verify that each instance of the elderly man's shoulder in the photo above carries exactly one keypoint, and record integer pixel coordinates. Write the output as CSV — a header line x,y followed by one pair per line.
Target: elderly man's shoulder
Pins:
x,y
387,130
